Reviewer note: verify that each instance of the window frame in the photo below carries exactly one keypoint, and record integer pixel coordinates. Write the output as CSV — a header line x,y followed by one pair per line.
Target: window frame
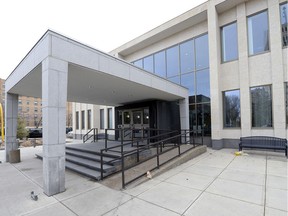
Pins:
x,y
221,42
223,105
269,41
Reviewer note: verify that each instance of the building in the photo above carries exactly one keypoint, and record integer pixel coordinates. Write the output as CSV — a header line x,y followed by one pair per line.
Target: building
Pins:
x,y
220,67
232,55
30,109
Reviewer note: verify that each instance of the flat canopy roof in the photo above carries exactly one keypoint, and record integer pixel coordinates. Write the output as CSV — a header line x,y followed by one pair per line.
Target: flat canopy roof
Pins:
x,y
93,76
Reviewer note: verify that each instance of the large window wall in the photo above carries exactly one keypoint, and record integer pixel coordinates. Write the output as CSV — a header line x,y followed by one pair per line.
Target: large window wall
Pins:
x,y
186,64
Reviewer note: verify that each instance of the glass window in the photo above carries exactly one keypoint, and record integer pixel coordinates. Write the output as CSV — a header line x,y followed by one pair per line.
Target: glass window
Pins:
x,y
231,108
188,81
187,57
89,119
175,79
27,102
110,118
160,64
284,23
172,61
261,99
258,33
77,120
203,86
202,52
229,42
149,63
127,118
146,116
101,118
83,119
139,63
286,100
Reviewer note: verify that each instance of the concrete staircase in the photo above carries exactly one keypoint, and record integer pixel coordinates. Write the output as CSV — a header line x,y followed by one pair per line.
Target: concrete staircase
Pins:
x,y
88,162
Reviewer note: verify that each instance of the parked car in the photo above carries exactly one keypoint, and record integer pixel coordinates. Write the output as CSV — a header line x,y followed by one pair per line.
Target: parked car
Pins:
x,y
68,129
35,133
70,134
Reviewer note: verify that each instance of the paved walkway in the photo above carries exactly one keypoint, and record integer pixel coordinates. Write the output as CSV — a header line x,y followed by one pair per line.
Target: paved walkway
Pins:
x,y
215,183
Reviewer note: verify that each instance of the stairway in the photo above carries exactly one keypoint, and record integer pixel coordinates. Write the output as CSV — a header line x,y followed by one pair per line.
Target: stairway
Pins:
x,y
88,163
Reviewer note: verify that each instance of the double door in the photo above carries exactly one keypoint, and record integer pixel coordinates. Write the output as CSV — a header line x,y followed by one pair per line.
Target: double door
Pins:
x,y
133,123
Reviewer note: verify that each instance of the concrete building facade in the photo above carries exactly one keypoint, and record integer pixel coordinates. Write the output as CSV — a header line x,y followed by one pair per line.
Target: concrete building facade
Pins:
x,y
220,67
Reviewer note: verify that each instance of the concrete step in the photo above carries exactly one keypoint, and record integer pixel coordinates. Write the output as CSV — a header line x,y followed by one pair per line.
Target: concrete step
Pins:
x,y
87,155
93,152
91,164
83,170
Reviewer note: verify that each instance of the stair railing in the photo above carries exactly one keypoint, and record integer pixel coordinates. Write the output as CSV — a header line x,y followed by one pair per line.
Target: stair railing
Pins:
x,y
92,133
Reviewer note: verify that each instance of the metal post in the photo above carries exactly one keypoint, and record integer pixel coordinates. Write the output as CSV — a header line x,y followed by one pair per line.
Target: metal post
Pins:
x,y
158,166
101,160
138,151
105,139
123,171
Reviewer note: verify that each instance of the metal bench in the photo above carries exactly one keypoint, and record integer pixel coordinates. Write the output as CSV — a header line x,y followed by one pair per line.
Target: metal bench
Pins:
x,y
263,142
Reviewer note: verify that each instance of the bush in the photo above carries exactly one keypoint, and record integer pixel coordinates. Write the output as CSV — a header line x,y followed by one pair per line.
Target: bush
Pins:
x,y
21,130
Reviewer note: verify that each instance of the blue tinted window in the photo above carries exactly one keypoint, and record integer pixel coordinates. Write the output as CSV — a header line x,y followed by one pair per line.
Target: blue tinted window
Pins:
x,y
203,86
187,56
258,33
229,42
188,80
139,63
160,64
202,52
172,61
175,79
149,63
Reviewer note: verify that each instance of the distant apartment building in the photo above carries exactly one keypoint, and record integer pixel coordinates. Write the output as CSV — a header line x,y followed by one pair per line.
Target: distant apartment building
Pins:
x,y
30,108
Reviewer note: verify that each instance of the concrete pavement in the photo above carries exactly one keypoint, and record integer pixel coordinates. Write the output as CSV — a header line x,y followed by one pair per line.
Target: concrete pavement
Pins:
x,y
215,183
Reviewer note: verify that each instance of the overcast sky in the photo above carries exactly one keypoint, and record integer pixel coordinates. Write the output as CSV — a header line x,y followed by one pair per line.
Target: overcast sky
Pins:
x,y
102,24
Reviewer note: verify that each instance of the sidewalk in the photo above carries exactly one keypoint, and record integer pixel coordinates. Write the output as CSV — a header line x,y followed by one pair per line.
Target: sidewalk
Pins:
x,y
215,183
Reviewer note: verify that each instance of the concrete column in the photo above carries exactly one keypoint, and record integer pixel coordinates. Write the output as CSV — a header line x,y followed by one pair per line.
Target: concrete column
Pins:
x,y
245,103
215,59
184,115
278,74
54,98
11,115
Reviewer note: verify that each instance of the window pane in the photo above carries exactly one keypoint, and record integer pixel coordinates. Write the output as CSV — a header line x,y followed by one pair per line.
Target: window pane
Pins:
x,y
286,93
77,120
229,42
160,64
202,52
261,99
203,86
188,80
110,119
187,56
175,79
148,63
146,116
172,61
101,118
139,63
231,109
258,33
89,119
82,119
284,23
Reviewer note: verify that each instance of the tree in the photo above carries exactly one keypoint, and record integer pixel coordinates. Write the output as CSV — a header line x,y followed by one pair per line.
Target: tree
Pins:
x,y
21,130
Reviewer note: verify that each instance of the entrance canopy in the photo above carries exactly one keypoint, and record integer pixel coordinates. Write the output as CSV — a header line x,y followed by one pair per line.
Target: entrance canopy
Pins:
x,y
93,77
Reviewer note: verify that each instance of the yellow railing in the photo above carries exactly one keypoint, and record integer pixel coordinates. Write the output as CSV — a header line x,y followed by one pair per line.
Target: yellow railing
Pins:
x,y
2,122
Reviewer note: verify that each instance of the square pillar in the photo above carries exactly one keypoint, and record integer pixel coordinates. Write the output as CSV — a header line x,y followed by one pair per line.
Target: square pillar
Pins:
x,y
54,98
11,116
184,115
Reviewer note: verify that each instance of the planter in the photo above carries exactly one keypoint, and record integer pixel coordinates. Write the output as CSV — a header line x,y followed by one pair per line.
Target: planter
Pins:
x,y
14,156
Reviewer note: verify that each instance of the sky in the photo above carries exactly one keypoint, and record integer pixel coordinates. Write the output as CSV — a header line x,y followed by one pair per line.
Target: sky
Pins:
x,y
102,24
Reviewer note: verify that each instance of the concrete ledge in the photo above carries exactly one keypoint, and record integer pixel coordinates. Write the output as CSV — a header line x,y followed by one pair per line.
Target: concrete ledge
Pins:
x,y
14,156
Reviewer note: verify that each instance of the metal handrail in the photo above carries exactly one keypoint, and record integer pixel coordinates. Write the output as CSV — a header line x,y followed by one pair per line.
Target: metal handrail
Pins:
x,y
183,137
94,135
